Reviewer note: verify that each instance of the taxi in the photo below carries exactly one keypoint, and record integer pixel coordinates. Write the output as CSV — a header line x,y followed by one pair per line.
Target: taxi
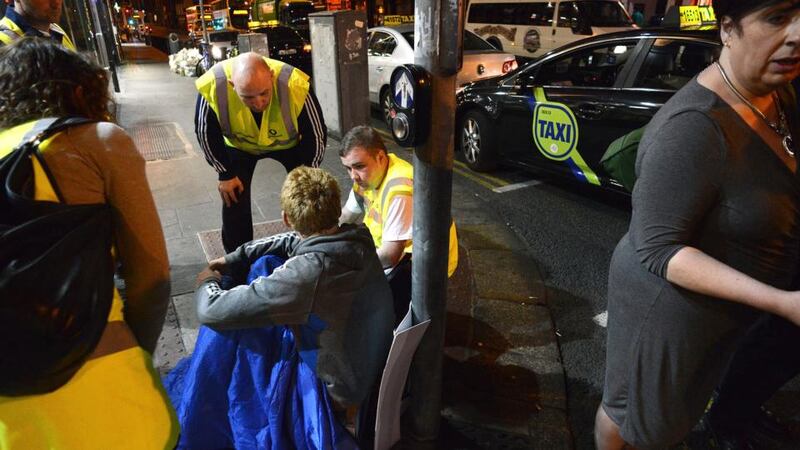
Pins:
x,y
560,112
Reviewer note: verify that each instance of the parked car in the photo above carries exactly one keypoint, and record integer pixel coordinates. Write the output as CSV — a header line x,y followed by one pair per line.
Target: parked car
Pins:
x,y
287,45
560,112
389,47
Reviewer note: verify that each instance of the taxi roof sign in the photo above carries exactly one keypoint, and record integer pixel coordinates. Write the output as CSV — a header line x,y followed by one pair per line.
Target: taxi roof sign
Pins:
x,y
691,18
394,20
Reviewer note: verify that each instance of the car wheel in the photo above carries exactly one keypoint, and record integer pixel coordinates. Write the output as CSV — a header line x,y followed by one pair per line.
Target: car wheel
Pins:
x,y
386,106
477,142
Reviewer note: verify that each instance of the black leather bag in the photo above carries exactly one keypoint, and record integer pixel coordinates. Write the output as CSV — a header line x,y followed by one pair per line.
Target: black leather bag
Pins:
x,y
56,275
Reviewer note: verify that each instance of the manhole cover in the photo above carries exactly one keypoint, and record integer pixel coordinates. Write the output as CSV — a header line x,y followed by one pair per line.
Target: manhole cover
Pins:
x,y
160,141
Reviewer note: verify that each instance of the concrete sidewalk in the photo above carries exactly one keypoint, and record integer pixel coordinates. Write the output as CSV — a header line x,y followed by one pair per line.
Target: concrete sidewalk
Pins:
x,y
504,384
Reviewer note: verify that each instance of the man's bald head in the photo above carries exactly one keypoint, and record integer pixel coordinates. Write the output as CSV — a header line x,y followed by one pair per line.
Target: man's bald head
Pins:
x,y
252,81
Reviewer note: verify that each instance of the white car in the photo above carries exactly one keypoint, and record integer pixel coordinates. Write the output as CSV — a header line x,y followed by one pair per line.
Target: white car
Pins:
x,y
390,47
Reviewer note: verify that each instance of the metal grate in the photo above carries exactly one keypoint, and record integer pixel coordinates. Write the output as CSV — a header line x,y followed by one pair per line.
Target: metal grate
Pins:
x,y
211,240
160,141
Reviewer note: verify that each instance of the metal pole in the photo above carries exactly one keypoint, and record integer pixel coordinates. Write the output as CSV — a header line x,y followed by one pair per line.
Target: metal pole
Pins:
x,y
203,21
438,34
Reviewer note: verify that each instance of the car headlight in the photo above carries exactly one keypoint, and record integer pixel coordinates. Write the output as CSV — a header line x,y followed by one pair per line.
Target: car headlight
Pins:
x,y
307,48
216,52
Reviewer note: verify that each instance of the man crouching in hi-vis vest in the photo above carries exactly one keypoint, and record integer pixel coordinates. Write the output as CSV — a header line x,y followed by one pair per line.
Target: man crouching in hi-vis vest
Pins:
x,y
249,108
36,18
382,197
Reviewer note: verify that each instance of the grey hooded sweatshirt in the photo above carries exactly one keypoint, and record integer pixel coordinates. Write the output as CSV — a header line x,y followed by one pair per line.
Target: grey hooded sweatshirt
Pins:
x,y
334,280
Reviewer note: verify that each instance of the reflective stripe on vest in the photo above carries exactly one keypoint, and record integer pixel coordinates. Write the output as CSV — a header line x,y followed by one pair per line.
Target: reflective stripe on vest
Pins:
x,y
221,85
9,36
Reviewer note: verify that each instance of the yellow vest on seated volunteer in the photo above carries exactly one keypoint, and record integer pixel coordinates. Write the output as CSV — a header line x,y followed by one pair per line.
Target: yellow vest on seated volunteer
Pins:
x,y
399,180
278,127
10,32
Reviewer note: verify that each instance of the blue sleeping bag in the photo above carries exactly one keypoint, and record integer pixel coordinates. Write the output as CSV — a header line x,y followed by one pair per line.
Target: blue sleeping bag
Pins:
x,y
251,389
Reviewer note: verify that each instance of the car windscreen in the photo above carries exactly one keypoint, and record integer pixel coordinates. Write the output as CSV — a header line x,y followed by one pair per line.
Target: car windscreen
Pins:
x,y
604,14
279,33
471,41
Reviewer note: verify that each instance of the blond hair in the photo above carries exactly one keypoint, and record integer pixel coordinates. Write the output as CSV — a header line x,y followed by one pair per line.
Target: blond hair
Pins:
x,y
310,198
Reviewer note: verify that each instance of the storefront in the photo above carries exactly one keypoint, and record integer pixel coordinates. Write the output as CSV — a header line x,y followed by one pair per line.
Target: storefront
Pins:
x,y
90,25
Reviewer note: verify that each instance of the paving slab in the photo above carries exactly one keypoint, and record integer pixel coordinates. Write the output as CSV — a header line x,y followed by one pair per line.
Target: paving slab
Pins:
x,y
269,206
169,224
186,260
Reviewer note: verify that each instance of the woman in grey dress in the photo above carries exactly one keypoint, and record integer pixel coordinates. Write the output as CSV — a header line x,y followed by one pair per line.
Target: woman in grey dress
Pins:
x,y
714,237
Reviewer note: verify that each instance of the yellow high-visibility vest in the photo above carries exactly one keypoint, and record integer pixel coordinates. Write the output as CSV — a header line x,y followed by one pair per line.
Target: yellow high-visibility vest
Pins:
x,y
399,180
10,32
278,127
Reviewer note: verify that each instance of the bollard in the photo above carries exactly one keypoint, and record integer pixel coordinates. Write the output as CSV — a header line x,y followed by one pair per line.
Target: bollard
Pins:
x,y
174,43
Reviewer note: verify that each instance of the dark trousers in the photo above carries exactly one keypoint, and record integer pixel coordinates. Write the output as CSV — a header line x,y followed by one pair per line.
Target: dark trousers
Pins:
x,y
237,219
400,282
766,359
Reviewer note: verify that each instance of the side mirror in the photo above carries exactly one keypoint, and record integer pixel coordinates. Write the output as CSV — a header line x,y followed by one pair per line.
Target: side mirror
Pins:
x,y
526,79
410,89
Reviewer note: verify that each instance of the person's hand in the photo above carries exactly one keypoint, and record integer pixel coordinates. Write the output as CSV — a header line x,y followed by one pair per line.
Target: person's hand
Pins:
x,y
217,264
229,190
205,274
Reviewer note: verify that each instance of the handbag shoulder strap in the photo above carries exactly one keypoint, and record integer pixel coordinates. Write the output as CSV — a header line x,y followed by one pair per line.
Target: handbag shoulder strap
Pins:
x,y
44,128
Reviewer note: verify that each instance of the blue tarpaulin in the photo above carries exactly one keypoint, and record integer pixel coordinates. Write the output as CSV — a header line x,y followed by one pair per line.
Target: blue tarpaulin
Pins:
x,y
252,389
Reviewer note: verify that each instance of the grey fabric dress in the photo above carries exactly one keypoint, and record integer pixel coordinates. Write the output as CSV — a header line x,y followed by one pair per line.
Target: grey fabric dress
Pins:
x,y
706,180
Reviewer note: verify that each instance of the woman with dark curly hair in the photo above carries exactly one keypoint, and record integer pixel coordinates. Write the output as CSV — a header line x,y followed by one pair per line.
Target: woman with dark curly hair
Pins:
x,y
714,238
115,400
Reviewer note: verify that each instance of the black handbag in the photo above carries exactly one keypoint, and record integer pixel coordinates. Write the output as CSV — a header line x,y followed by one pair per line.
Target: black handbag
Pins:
x,y
56,274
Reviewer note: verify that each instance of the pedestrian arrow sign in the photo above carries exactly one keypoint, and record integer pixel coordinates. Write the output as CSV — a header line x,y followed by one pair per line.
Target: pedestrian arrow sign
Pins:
x,y
403,91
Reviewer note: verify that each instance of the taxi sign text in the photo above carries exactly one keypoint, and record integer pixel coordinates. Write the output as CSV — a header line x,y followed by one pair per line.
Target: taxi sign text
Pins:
x,y
554,130
397,20
697,17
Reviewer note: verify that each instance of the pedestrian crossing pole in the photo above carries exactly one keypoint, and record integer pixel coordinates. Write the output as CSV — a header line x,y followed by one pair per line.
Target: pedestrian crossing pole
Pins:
x,y
438,31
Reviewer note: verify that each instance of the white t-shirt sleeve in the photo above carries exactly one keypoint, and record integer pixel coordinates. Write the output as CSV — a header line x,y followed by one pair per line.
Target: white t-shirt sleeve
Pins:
x,y
399,219
353,205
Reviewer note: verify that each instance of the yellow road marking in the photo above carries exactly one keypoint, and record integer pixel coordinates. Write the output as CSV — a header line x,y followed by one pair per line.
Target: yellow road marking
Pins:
x,y
499,181
473,177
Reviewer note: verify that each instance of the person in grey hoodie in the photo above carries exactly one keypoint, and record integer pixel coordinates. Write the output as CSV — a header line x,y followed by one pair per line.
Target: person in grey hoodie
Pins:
x,y
331,278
